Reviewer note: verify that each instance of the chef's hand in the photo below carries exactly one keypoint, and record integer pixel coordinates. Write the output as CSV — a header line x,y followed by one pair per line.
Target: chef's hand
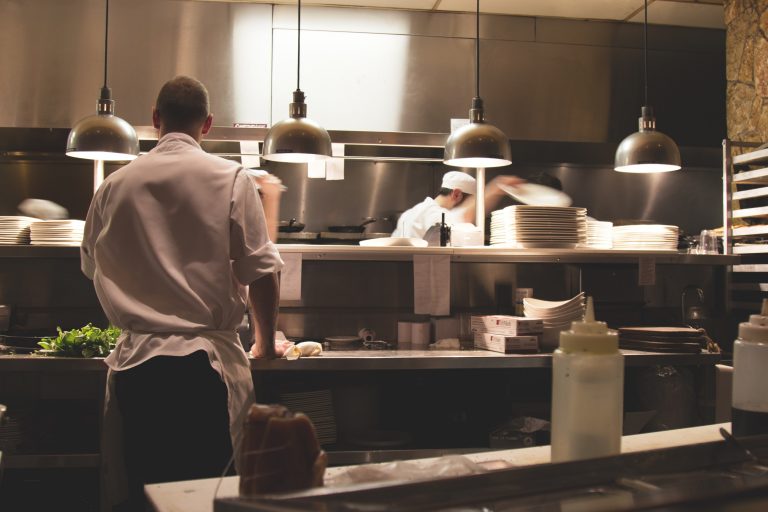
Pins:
x,y
270,186
261,351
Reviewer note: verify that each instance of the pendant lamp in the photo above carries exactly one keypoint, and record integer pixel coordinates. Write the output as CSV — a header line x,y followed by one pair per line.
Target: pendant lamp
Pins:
x,y
477,144
647,150
297,139
103,136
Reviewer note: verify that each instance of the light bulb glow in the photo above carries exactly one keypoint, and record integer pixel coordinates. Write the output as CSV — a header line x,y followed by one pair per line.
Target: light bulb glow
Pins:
x,y
647,168
477,162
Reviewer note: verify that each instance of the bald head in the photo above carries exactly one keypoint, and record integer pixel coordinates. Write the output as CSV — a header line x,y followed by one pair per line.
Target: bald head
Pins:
x,y
182,106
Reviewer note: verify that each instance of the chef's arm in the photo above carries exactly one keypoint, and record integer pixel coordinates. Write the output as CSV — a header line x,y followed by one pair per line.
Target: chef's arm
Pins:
x,y
264,296
270,190
493,196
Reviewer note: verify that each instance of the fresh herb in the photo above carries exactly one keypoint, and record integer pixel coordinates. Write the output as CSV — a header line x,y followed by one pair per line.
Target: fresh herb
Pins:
x,y
89,341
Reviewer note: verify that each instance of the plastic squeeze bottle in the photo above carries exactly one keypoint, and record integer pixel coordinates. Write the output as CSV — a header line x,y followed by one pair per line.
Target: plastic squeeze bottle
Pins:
x,y
587,391
750,380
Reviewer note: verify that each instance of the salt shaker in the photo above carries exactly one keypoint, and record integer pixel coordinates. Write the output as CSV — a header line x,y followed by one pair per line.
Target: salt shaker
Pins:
x,y
587,391
750,359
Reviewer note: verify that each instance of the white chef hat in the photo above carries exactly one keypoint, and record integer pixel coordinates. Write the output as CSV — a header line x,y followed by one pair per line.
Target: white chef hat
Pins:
x,y
459,180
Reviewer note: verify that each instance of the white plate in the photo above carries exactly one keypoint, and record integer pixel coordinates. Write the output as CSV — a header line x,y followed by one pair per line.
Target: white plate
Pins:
x,y
394,242
553,313
548,304
542,210
547,245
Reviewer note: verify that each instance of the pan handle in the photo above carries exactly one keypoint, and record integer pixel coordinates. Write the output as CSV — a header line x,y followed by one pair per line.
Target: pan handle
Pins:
x,y
368,220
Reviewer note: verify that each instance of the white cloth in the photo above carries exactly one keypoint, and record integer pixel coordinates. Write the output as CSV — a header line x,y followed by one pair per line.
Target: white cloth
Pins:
x,y
171,242
415,222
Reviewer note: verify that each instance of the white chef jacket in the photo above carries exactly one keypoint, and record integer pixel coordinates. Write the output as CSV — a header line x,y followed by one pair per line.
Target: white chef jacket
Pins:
x,y
171,242
415,222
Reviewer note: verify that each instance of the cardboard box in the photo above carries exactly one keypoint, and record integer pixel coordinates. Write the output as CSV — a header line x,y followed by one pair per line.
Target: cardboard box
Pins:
x,y
508,325
506,344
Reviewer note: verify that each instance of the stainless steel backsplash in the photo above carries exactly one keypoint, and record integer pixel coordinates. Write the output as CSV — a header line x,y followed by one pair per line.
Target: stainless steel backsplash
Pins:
x,y
565,91
362,69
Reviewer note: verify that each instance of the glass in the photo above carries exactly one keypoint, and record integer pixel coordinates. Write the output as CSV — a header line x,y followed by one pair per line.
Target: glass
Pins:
x,y
708,242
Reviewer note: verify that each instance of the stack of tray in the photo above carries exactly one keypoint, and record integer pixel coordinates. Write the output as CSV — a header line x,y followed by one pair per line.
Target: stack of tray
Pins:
x,y
663,339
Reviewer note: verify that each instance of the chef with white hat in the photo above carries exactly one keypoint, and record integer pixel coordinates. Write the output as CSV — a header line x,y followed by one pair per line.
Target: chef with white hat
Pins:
x,y
456,200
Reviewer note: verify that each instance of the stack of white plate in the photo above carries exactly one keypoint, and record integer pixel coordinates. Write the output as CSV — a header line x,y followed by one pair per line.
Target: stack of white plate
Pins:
x,y
57,232
645,237
318,406
555,315
525,226
15,229
599,234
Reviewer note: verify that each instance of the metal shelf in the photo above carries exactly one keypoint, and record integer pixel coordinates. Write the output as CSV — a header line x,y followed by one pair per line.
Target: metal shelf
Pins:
x,y
756,176
388,360
749,168
313,252
758,212
502,255
751,249
750,194
751,158
751,267
761,229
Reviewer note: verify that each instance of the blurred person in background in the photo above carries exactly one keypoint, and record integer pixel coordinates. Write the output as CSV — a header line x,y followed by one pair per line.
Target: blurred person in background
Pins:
x,y
456,199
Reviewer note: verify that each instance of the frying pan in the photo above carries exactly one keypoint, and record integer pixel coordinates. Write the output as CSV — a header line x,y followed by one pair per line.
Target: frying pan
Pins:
x,y
290,226
352,229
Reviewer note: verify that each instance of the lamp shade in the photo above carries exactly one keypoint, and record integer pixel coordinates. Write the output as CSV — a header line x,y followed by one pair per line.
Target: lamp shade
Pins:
x,y
647,150
103,137
297,139
477,144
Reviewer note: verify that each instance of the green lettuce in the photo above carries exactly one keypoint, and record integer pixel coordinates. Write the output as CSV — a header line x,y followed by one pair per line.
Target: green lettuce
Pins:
x,y
90,341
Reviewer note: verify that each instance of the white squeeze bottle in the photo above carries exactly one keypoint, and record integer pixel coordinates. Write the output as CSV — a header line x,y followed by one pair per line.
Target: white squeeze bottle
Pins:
x,y
750,376
587,391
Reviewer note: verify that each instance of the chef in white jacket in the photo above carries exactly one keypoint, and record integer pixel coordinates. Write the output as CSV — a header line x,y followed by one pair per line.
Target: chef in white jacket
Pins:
x,y
455,199
176,242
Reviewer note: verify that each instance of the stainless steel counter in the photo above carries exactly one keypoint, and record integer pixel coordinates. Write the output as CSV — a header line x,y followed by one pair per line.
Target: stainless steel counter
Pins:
x,y
356,360
458,254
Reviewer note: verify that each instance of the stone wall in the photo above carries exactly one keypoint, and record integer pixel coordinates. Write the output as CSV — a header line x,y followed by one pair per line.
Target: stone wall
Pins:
x,y
747,69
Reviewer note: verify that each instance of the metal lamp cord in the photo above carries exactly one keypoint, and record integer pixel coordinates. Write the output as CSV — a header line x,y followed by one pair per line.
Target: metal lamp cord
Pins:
x,y
106,42
298,52
477,50
645,52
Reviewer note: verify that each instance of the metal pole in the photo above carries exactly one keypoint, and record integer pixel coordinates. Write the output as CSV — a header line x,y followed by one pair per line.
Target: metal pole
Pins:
x,y
727,197
98,174
727,220
480,201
